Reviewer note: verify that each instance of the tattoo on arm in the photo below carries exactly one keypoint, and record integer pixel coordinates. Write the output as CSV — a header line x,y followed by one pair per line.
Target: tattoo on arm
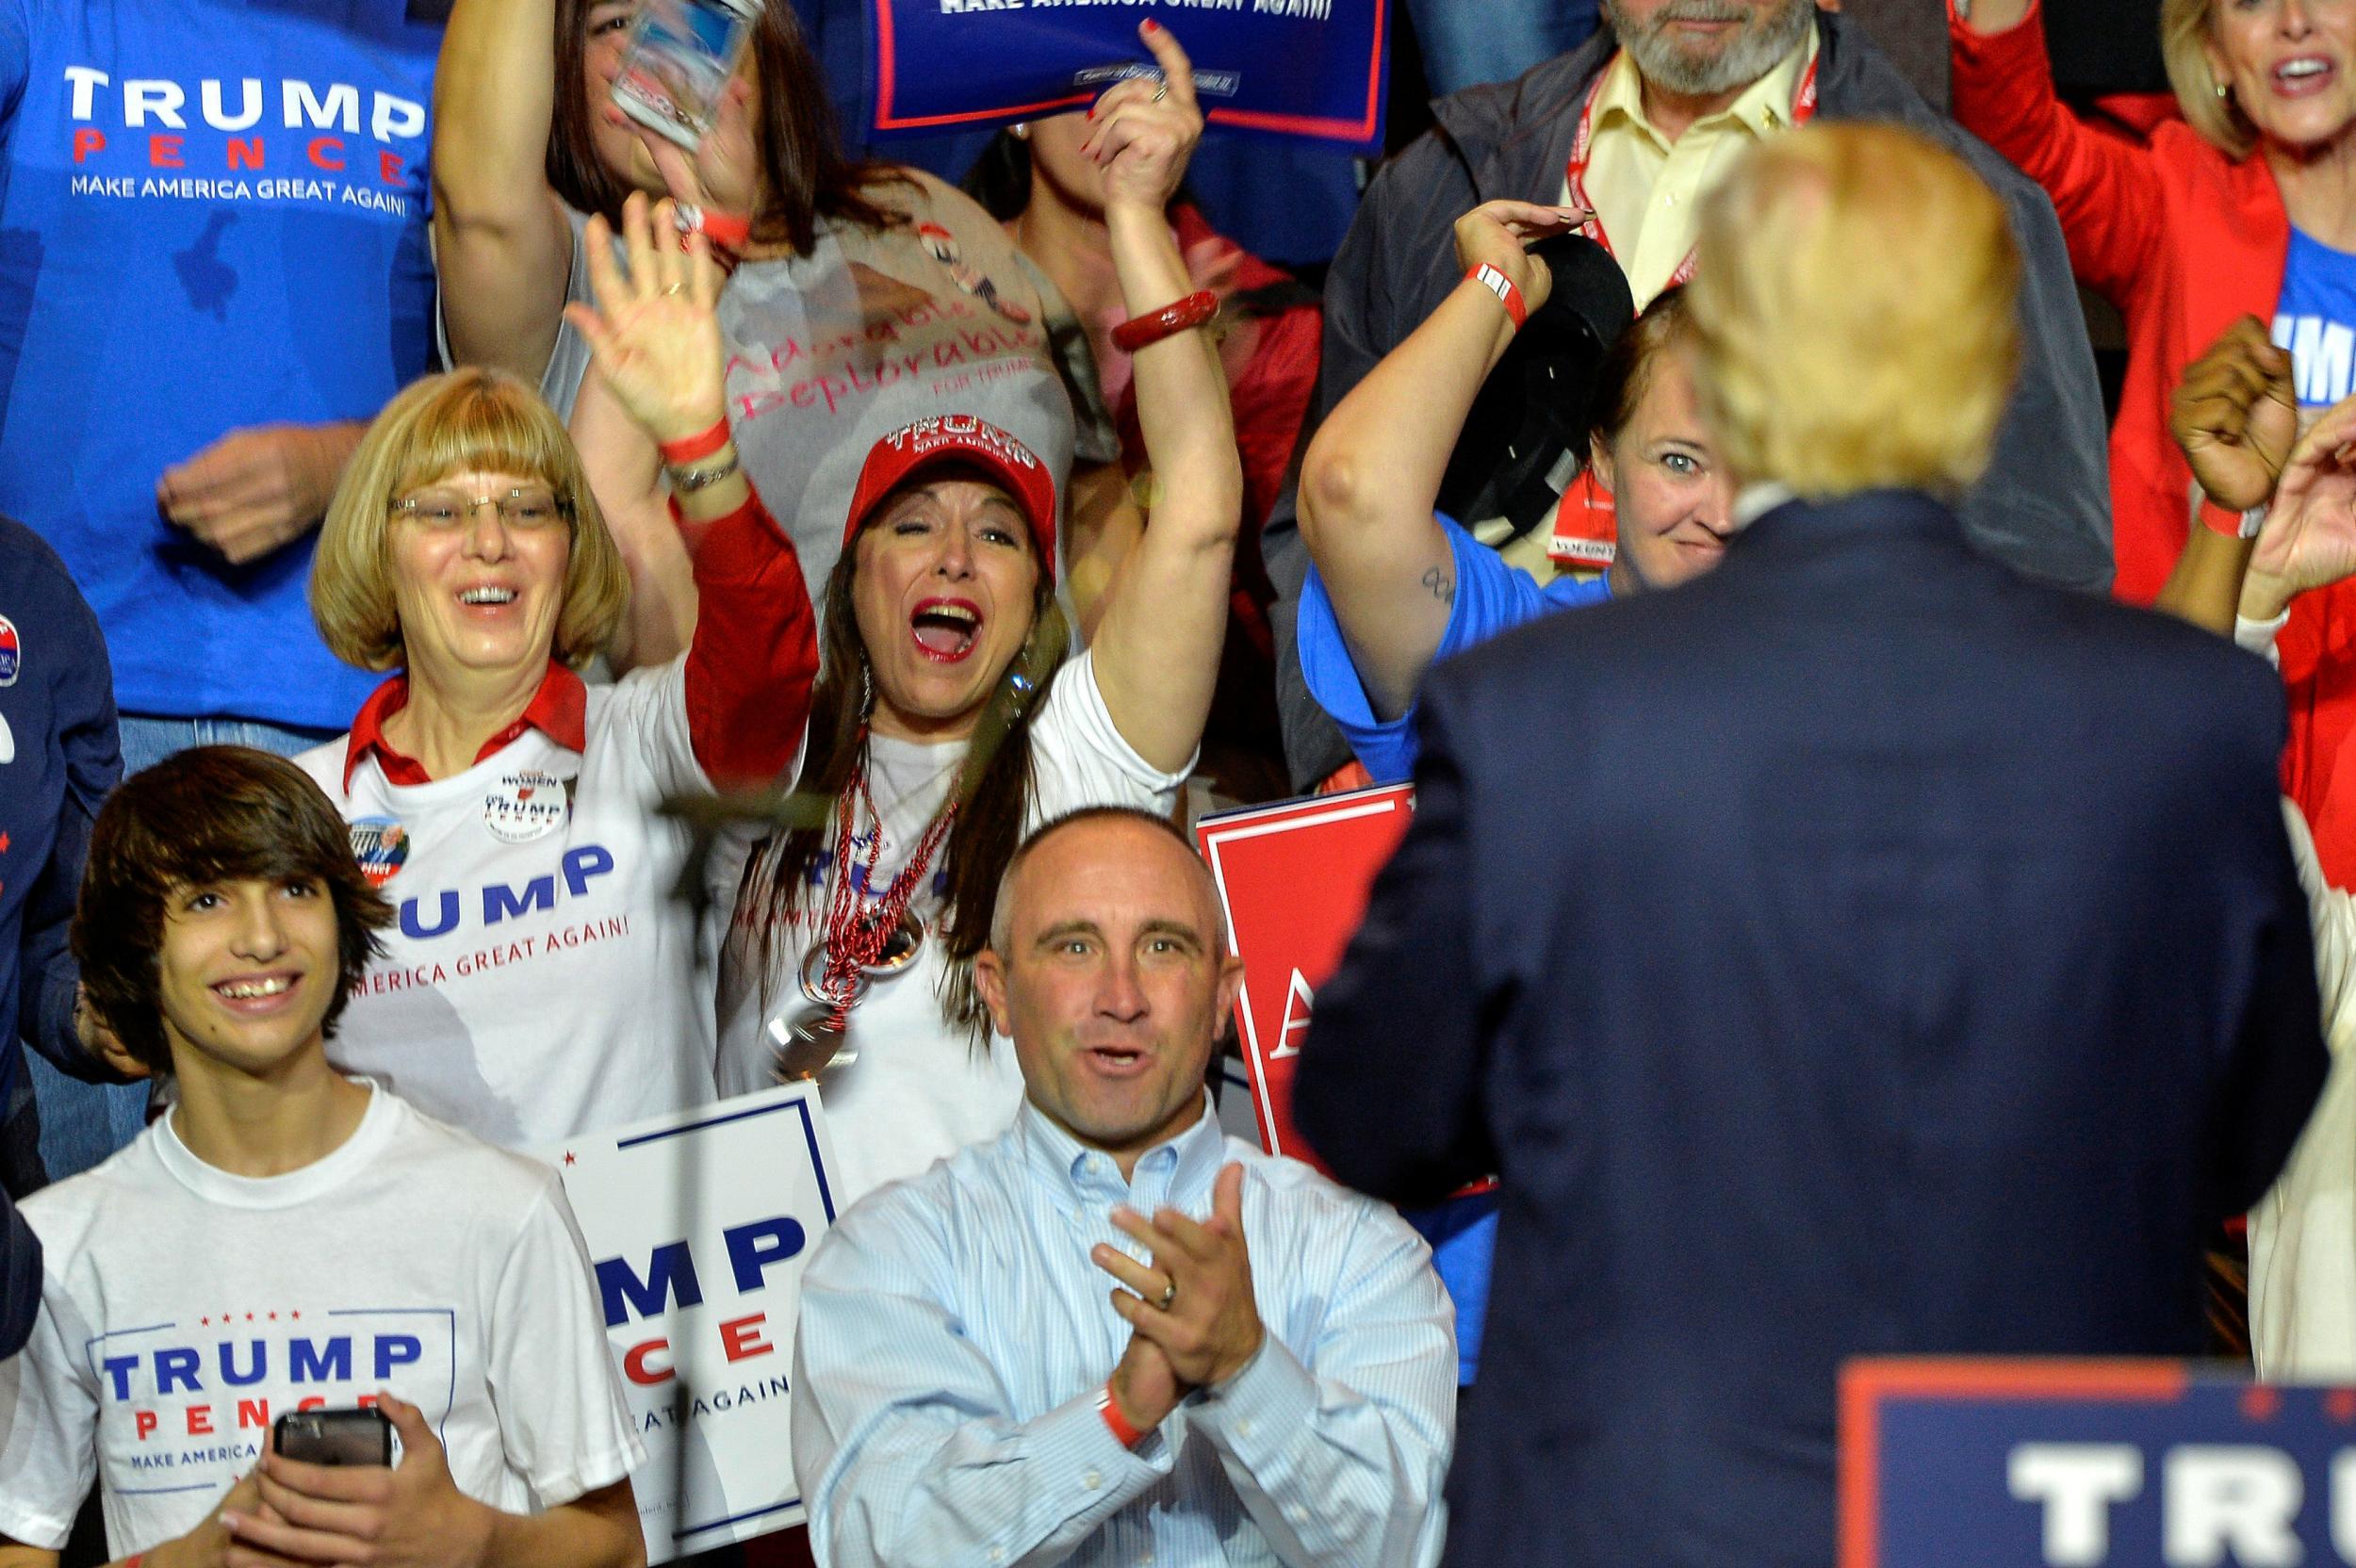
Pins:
x,y
1443,586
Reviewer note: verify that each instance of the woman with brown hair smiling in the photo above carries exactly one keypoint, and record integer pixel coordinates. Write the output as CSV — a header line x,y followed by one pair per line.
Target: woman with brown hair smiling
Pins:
x,y
540,980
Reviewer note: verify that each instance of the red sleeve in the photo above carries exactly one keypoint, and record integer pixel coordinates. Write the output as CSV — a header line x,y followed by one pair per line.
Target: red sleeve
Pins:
x,y
2317,652
755,653
2105,190
1270,400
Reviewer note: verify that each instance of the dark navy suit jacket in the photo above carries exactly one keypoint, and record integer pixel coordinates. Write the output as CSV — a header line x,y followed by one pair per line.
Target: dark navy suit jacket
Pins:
x,y
19,1279
1858,950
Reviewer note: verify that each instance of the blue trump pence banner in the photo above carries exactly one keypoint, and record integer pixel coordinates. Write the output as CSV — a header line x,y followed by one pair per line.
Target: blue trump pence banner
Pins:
x,y
1302,68
2090,1464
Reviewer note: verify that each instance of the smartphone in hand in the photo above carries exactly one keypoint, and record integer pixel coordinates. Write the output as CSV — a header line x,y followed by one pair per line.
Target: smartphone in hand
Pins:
x,y
336,1436
678,62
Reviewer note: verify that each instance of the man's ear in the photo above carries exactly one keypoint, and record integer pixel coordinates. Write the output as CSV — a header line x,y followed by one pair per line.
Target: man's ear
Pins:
x,y
93,1034
108,1048
1230,986
989,983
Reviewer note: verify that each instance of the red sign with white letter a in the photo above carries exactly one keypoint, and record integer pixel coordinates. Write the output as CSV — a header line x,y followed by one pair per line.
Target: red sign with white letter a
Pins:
x,y
1293,881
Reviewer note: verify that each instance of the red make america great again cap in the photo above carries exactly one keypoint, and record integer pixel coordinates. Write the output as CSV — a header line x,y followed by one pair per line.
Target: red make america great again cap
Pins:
x,y
959,440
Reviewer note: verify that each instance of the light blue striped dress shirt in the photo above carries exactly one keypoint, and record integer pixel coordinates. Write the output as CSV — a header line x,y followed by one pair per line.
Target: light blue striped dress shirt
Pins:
x,y
954,1335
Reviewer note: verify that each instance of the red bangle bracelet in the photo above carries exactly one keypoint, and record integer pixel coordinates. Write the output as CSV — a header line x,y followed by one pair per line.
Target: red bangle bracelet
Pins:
x,y
1141,332
1116,1423
688,449
1504,287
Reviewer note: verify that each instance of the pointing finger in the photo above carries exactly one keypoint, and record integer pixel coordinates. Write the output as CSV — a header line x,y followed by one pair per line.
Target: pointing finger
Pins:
x,y
1177,69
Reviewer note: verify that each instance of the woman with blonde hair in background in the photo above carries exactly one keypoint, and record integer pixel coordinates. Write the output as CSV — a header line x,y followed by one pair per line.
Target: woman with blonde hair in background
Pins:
x,y
2246,206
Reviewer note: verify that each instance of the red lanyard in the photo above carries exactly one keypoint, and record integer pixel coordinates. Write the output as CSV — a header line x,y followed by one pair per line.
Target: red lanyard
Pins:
x,y
1575,171
856,938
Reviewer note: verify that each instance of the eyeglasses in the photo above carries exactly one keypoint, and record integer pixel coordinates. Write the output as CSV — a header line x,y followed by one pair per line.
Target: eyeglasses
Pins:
x,y
517,509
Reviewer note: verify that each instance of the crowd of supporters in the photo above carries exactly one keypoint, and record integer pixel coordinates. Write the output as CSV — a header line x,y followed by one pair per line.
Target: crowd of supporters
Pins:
x,y
511,626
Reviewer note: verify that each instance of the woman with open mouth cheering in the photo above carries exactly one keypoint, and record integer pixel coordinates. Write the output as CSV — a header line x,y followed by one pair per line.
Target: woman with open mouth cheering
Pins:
x,y
947,722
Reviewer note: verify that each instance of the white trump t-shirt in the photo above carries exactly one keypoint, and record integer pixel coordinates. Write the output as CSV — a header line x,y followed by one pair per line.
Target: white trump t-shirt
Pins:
x,y
186,1309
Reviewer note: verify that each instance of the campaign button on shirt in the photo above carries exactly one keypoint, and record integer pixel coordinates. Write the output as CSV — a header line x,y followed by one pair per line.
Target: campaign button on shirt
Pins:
x,y
525,806
11,652
381,845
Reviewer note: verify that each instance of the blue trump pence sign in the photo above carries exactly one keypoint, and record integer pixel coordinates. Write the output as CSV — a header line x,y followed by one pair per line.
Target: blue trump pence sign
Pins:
x,y
1302,68
2091,1465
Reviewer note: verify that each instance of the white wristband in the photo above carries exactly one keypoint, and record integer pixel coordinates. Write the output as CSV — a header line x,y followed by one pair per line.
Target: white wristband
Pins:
x,y
2258,636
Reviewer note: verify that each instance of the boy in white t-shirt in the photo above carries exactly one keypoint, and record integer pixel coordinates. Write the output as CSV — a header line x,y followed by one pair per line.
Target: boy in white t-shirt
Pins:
x,y
287,1238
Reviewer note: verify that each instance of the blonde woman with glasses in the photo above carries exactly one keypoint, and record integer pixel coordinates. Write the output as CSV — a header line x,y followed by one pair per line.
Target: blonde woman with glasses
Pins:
x,y
540,981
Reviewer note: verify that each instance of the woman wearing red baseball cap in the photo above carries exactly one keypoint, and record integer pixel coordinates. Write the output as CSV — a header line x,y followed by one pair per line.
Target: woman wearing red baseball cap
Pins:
x,y
947,720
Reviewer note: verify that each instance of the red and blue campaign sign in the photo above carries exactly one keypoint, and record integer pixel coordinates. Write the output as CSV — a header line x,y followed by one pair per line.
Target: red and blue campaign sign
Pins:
x,y
2090,1464
698,1225
1307,68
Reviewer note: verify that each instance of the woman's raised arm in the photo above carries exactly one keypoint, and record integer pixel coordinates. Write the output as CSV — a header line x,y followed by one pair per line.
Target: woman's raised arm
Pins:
x,y
502,245
1165,617
1373,474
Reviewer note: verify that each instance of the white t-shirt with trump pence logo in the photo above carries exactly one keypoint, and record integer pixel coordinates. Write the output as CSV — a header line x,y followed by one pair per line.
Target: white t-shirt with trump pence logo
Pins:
x,y
186,1309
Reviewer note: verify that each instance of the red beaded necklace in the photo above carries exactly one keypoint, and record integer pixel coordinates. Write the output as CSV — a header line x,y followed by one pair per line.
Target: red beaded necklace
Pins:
x,y
857,930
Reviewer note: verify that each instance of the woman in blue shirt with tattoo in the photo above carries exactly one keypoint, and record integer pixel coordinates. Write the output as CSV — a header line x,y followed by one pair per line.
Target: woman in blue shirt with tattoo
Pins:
x,y
1395,586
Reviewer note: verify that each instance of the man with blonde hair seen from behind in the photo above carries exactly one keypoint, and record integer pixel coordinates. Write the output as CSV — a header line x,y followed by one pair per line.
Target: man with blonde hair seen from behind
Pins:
x,y
1932,974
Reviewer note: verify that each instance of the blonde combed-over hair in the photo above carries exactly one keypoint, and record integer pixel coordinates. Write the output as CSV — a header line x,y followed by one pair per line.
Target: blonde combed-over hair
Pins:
x,y
1854,304
2185,35
466,421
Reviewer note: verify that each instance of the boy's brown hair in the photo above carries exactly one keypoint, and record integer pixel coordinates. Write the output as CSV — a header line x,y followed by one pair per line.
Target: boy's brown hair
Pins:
x,y
208,815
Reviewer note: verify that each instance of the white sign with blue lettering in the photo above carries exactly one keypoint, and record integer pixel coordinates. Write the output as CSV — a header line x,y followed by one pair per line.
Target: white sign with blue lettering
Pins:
x,y
699,1226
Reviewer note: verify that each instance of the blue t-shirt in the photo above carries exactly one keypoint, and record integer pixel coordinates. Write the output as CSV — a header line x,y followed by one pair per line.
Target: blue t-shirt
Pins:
x,y
2315,319
1491,597
212,216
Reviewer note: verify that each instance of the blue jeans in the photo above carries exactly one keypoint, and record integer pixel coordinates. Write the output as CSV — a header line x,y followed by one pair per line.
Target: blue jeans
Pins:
x,y
1464,41
83,1123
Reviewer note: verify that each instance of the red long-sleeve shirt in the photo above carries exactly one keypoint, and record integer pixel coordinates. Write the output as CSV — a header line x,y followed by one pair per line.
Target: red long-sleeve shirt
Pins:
x,y
2184,240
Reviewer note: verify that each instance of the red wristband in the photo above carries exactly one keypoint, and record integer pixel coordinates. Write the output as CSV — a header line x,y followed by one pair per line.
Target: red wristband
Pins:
x,y
133,1560
1502,287
688,449
1116,1423
1141,332
2233,525
731,229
